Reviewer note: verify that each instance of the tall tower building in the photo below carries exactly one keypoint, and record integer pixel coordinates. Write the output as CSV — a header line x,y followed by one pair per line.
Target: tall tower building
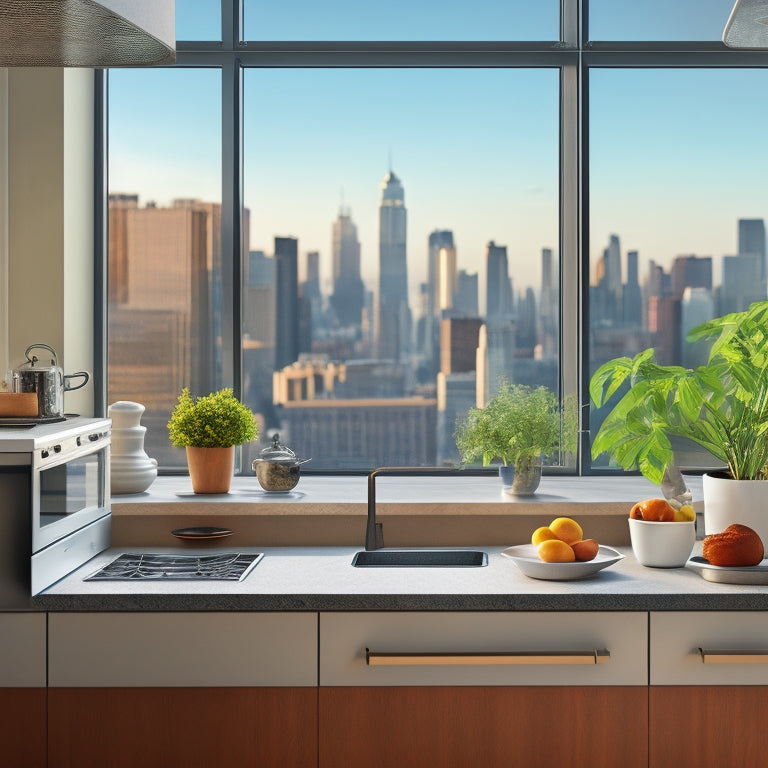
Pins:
x,y
347,298
498,292
447,278
466,301
438,239
394,318
286,301
752,242
549,305
633,299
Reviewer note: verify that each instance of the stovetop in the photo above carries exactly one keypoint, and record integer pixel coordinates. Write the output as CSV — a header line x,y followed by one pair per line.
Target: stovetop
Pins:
x,y
224,566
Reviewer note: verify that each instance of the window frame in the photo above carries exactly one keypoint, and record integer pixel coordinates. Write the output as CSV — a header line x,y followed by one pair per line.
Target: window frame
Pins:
x,y
574,55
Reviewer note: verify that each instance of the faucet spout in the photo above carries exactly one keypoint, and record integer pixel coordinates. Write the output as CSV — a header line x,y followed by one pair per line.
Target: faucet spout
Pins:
x,y
374,532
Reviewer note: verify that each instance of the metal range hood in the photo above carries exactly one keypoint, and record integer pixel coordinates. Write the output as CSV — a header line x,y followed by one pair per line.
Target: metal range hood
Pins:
x,y
747,25
86,33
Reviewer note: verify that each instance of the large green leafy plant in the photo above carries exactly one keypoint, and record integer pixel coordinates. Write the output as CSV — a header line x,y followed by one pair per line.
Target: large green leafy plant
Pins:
x,y
518,424
722,406
218,420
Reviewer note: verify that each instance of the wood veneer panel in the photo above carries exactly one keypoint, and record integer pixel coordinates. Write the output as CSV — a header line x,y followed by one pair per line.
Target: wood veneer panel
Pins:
x,y
708,726
22,727
182,727
457,727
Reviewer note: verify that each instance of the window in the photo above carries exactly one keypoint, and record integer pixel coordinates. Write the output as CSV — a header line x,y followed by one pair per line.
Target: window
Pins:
x,y
389,220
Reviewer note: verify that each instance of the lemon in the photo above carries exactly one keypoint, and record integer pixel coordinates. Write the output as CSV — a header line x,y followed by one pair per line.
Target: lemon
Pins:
x,y
685,514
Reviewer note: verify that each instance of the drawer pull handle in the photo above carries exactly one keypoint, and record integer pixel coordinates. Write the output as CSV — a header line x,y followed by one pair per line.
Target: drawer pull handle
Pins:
x,y
374,659
733,657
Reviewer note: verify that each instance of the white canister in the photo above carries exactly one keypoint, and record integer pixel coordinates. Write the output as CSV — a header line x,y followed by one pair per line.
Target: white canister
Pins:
x,y
728,501
131,470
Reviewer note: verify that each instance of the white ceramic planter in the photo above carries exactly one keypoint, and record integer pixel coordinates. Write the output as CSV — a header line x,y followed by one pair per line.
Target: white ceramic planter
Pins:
x,y
729,501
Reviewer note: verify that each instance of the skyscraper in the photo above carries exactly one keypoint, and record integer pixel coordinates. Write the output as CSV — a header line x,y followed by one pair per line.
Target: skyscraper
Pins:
x,y
347,298
498,292
286,301
752,242
394,319
438,239
633,299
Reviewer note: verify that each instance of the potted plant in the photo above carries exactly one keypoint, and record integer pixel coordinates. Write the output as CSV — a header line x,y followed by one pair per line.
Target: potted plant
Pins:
x,y
518,426
722,406
210,427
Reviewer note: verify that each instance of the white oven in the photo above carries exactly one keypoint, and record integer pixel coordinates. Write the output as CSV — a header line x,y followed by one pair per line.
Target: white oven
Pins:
x,y
55,509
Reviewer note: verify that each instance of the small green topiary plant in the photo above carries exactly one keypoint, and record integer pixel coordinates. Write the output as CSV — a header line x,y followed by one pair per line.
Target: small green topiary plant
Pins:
x,y
518,425
218,420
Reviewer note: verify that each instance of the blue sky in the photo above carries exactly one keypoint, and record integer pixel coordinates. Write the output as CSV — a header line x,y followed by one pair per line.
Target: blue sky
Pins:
x,y
677,156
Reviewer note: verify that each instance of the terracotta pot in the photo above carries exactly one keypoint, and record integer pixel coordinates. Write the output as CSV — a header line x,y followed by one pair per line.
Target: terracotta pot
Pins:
x,y
211,469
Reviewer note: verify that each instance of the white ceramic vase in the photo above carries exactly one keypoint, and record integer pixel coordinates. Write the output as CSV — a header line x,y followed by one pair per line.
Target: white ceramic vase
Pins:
x,y
131,470
728,501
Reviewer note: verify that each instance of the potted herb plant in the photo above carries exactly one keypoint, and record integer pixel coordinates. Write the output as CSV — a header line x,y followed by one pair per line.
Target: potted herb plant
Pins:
x,y
518,426
210,427
722,406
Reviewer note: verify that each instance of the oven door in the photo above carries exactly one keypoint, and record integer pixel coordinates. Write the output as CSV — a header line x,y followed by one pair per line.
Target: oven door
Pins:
x,y
70,488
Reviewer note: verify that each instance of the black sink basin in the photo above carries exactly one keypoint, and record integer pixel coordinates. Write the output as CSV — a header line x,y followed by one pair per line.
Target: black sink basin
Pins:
x,y
412,558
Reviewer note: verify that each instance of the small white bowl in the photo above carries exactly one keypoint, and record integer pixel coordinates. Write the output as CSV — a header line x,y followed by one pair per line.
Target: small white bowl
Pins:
x,y
662,545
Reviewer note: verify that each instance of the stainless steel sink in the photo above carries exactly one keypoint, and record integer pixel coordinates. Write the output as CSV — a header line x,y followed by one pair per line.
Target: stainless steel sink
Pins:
x,y
415,558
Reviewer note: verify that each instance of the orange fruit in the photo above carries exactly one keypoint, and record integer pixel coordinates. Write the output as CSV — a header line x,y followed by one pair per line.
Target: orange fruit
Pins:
x,y
566,530
585,550
555,551
542,534
654,510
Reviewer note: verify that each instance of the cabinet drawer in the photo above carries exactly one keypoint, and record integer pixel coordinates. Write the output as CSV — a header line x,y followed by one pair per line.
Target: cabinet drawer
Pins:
x,y
734,648
365,649
182,649
22,661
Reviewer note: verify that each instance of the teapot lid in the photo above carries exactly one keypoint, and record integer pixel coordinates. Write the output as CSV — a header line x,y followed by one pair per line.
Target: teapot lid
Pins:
x,y
277,452
33,361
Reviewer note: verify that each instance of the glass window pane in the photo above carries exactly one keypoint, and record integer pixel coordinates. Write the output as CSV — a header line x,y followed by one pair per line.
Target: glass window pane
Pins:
x,y
392,214
658,19
164,242
198,19
402,20
677,209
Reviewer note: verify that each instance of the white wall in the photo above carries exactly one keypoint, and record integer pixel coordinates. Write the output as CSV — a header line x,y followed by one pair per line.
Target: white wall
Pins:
x,y
49,180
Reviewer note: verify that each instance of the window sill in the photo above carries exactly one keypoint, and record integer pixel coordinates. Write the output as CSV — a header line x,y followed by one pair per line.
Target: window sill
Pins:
x,y
418,511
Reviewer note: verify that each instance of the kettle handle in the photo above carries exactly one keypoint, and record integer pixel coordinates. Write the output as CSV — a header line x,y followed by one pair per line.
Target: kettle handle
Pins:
x,y
83,374
55,360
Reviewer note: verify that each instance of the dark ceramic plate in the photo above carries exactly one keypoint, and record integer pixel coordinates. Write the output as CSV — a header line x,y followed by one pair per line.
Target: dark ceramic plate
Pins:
x,y
201,533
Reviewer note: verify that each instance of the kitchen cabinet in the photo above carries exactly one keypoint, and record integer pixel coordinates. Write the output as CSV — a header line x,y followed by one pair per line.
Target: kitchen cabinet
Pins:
x,y
708,702
182,689
458,689
22,690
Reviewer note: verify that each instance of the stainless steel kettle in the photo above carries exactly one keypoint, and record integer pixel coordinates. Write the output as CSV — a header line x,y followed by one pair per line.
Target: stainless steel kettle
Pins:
x,y
48,381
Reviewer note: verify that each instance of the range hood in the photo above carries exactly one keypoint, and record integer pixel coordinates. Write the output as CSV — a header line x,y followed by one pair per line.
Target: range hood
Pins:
x,y
747,25
86,33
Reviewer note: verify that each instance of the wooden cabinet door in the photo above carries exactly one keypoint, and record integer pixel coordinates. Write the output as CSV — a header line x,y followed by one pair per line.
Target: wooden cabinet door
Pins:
x,y
182,727
718,726
22,690
461,726
22,727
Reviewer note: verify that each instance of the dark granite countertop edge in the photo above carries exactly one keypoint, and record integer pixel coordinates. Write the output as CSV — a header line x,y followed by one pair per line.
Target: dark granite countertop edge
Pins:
x,y
407,602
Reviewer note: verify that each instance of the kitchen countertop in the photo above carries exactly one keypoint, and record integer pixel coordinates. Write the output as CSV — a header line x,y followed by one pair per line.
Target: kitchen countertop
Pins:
x,y
322,579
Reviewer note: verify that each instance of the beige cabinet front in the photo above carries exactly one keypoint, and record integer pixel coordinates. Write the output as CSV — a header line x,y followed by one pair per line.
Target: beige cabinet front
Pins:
x,y
531,648
182,649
